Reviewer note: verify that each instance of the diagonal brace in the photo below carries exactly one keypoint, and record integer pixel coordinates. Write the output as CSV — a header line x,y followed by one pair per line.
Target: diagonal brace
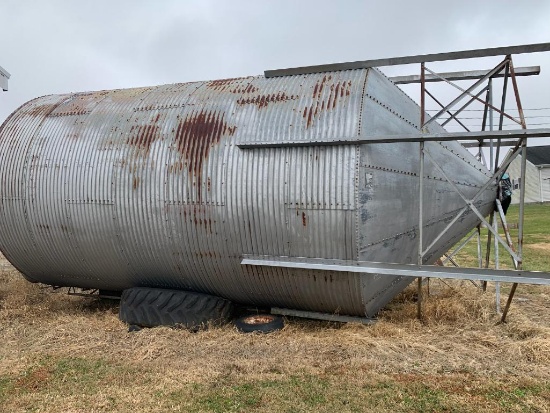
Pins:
x,y
471,205
496,70
505,164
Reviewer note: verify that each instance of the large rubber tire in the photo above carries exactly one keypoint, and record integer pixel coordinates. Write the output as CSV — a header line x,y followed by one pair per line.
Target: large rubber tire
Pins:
x,y
151,307
261,323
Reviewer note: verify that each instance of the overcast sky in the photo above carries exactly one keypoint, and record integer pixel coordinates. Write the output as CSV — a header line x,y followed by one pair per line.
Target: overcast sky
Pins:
x,y
58,46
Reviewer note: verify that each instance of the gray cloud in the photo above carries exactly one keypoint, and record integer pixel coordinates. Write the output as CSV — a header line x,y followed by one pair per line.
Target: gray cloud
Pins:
x,y
63,45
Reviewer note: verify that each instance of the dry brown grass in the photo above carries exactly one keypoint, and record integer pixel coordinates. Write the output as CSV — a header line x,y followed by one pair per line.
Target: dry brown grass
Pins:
x,y
542,247
62,353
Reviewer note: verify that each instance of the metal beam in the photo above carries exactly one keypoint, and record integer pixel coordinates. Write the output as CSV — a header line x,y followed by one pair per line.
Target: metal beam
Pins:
x,y
401,270
4,76
322,316
487,145
440,137
405,60
464,75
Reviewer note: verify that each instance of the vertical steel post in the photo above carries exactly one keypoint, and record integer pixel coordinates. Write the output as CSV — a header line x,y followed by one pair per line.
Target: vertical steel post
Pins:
x,y
494,162
490,100
422,96
516,93
479,252
521,190
420,228
540,185
491,166
502,105
421,189
497,284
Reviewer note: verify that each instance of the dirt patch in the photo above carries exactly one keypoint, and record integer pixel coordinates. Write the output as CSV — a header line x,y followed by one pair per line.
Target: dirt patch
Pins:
x,y
543,247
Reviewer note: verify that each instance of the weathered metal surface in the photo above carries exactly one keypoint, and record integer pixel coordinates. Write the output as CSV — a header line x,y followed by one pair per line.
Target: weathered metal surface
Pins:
x,y
148,187
404,60
405,270
463,75
412,137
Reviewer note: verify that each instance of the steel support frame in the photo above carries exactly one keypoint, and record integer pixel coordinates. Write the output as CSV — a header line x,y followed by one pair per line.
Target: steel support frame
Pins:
x,y
520,147
507,66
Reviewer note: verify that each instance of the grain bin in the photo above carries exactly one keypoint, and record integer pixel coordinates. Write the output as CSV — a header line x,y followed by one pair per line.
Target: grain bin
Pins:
x,y
148,187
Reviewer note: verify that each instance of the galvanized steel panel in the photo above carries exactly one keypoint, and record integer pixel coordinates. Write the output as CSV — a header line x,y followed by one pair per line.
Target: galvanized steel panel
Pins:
x,y
147,187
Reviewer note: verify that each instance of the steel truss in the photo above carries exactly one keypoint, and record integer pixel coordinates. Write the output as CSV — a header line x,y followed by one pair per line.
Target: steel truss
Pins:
x,y
472,94
480,91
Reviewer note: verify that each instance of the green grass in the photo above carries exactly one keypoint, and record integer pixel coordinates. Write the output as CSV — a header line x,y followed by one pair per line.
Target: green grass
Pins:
x,y
49,377
310,393
536,233
66,377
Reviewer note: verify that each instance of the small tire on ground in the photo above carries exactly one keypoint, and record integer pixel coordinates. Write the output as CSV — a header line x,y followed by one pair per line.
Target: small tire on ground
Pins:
x,y
152,307
262,323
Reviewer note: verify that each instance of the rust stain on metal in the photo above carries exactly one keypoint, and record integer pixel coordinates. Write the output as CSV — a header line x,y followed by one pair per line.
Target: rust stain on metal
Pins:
x,y
41,110
321,103
135,182
224,84
304,220
248,89
195,136
143,136
198,215
263,101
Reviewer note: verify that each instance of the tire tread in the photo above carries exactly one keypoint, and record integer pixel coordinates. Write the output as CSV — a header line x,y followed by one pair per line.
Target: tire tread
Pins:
x,y
151,307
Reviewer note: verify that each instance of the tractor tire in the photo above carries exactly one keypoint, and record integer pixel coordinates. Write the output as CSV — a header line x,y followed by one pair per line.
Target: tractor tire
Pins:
x,y
152,307
261,323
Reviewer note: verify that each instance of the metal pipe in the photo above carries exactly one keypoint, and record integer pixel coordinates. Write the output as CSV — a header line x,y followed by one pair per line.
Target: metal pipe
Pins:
x,y
497,284
492,160
516,94
502,106
479,251
540,185
488,252
509,302
521,191
420,228
422,96
504,91
506,230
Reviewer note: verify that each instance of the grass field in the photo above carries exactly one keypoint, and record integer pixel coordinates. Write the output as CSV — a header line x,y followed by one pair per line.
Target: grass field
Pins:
x,y
61,353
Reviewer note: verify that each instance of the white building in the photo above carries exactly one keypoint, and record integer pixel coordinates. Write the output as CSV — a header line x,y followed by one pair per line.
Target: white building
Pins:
x,y
537,175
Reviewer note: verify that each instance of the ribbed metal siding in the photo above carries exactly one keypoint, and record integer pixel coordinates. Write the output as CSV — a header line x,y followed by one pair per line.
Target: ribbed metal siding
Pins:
x,y
18,132
147,187
297,199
